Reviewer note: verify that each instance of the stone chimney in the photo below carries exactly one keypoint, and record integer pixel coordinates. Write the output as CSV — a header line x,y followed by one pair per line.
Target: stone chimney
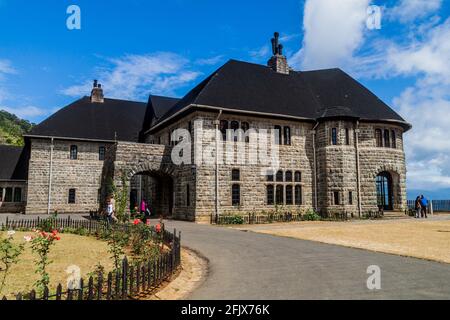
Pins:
x,y
97,93
278,62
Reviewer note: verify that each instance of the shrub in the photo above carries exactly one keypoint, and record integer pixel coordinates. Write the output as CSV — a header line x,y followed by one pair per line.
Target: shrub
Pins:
x,y
235,219
311,215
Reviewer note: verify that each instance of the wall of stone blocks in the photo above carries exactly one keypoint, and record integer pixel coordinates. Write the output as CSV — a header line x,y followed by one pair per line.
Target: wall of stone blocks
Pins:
x,y
84,175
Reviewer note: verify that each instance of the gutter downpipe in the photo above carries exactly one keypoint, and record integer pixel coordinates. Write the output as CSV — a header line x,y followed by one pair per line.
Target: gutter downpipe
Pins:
x,y
216,123
50,176
358,173
315,166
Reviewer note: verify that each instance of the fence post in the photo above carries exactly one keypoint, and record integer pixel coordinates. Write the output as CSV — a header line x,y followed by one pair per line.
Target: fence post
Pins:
x,y
100,286
109,287
124,278
58,292
45,296
80,292
7,220
91,288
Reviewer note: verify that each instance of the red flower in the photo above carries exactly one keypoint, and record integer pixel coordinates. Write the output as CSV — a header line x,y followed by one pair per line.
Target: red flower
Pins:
x,y
136,221
158,228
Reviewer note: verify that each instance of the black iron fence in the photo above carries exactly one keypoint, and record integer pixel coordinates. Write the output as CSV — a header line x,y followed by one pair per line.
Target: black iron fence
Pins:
x,y
127,283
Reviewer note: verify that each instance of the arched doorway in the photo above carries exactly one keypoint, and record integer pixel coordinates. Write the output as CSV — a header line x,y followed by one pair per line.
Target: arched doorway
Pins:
x,y
384,191
156,189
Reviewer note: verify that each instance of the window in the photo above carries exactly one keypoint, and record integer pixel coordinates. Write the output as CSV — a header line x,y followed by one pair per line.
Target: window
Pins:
x,y
280,176
235,126
387,140
188,196
288,176
245,127
270,195
287,135
223,128
99,196
17,194
101,153
334,136
298,176
73,152
72,196
236,195
347,136
235,175
1,194
277,134
289,199
336,197
8,195
394,140
350,198
270,177
378,138
280,194
298,195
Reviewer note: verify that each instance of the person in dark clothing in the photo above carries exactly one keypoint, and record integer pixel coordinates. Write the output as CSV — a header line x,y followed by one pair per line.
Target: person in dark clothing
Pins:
x,y
418,207
424,205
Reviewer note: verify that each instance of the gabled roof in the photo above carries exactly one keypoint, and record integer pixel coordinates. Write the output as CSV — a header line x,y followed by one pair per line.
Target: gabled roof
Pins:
x,y
241,86
95,121
14,162
157,107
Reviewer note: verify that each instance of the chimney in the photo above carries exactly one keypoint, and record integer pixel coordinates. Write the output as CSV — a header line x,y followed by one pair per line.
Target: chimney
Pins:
x,y
278,62
97,93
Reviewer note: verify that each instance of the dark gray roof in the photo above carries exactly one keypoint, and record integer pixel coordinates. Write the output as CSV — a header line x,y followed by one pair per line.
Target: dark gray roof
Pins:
x,y
14,162
97,121
243,86
157,107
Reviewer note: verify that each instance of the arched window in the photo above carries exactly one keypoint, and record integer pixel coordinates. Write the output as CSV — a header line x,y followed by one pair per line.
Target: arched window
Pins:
x,y
270,195
279,195
394,140
188,196
298,176
72,196
223,127
280,176
334,136
347,136
236,195
278,133
298,195
387,140
289,199
378,138
234,126
288,176
245,127
270,176
235,175
287,135
73,152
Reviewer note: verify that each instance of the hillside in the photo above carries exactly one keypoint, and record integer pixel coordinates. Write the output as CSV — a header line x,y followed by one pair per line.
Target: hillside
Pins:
x,y
12,128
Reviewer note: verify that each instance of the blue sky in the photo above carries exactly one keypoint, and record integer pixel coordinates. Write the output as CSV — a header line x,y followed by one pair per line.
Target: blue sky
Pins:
x,y
139,47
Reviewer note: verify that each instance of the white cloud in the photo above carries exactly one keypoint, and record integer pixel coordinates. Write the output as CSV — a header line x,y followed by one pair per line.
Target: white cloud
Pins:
x,y
333,30
261,53
210,61
410,10
136,76
28,112
6,67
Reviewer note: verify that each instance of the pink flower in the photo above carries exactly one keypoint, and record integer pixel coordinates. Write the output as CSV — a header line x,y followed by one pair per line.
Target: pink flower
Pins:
x,y
136,221
27,238
158,228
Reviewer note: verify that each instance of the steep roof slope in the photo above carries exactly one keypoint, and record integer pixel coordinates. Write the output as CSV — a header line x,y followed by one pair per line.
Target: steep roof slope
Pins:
x,y
14,162
97,121
243,86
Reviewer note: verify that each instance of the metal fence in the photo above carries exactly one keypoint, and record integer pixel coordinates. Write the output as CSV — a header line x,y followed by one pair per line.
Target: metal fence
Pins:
x,y
126,283
437,205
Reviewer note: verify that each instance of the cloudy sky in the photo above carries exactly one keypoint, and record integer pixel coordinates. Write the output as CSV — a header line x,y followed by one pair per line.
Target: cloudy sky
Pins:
x,y
138,47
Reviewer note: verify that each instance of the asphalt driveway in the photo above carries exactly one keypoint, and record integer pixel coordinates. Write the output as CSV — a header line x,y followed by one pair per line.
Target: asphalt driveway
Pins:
x,y
247,265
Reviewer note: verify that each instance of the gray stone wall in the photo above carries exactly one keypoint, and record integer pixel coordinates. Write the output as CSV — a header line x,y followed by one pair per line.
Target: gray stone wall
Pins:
x,y
84,175
13,206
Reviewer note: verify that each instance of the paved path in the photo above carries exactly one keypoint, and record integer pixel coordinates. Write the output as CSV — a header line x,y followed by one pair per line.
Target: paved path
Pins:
x,y
247,265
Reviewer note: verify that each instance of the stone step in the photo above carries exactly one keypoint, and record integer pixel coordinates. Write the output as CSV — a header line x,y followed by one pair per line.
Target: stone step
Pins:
x,y
396,215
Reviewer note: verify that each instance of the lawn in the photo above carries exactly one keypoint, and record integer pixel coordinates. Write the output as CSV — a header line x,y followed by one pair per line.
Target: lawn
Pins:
x,y
84,252
415,238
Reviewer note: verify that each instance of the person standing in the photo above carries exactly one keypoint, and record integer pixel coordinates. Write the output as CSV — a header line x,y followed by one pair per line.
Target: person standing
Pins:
x,y
424,205
109,210
418,207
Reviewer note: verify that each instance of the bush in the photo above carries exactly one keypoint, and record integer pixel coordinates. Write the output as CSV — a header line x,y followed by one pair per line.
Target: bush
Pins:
x,y
311,215
234,219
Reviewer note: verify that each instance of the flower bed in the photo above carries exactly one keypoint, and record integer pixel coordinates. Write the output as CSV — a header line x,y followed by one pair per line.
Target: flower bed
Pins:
x,y
143,257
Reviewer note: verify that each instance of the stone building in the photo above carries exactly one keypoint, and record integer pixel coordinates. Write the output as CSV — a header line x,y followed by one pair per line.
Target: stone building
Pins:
x,y
338,148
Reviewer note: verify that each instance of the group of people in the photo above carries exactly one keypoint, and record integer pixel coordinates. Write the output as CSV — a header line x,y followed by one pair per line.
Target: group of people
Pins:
x,y
111,210
421,206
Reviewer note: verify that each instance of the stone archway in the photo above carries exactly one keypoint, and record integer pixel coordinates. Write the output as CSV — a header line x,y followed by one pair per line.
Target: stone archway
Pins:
x,y
389,183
